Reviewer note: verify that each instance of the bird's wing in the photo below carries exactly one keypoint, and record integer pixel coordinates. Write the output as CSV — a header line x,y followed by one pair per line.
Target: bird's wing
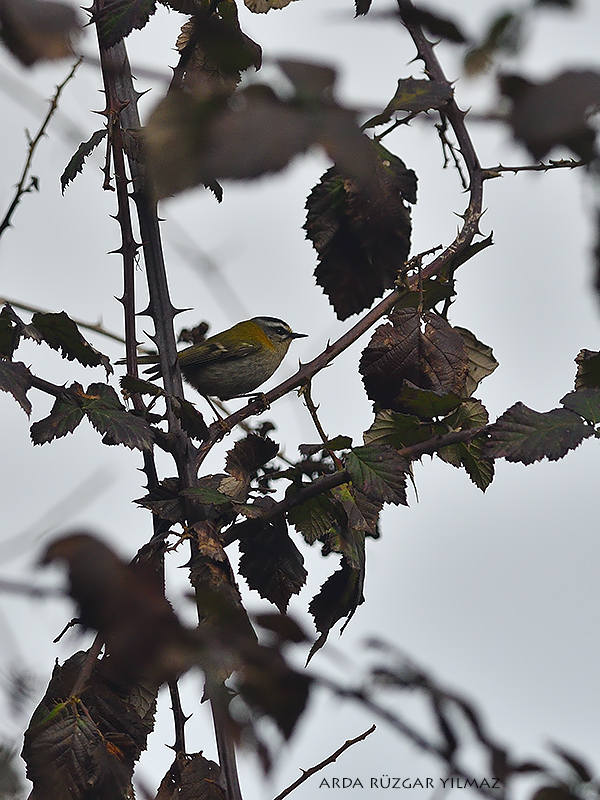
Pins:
x,y
213,351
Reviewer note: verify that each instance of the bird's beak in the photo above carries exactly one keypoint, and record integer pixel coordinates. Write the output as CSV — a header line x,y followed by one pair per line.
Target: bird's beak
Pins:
x,y
298,335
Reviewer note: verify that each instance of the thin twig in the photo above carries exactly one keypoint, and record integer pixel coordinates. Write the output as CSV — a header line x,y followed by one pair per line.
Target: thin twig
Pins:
x,y
313,411
306,774
23,186
96,327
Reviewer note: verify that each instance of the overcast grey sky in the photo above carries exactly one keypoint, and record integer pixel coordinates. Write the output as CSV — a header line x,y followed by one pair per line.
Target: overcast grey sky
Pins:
x,y
497,594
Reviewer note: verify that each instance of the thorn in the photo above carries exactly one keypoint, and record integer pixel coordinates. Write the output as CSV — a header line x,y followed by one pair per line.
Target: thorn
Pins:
x,y
147,312
177,311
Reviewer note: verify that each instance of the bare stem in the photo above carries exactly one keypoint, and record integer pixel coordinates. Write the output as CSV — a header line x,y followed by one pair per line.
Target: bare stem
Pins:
x,y
306,774
24,186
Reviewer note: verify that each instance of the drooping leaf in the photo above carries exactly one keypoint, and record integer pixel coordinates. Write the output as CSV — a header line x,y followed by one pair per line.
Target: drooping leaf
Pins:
x,y
339,597
378,472
271,562
191,419
585,402
481,360
65,416
555,112
110,418
398,430
270,686
12,330
61,333
588,370
361,239
77,161
413,96
249,454
524,435
470,455
16,379
317,519
117,18
38,30
349,538
420,347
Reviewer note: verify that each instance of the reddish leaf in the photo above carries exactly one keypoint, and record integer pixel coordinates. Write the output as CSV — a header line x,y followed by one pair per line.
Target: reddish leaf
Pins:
x,y
418,347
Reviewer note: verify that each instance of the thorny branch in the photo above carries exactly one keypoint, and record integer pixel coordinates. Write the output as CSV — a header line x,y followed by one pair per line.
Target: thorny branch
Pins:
x,y
308,773
23,186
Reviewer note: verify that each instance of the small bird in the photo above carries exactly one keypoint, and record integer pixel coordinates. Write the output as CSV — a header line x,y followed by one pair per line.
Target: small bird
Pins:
x,y
234,362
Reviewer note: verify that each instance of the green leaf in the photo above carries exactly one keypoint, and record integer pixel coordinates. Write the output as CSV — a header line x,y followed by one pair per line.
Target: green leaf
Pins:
x,y
77,161
65,416
16,379
271,562
585,402
481,360
61,333
206,495
118,426
398,430
524,435
339,597
413,95
470,456
317,519
471,413
588,370
378,472
425,403
117,18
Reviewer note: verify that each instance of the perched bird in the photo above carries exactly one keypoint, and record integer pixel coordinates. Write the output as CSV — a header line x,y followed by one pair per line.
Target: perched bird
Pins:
x,y
234,362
